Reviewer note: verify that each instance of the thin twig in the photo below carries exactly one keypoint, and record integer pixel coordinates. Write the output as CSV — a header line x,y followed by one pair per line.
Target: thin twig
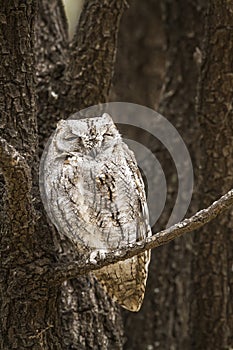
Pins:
x,y
202,217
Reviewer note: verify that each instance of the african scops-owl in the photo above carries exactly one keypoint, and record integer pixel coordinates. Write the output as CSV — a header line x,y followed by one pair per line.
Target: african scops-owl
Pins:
x,y
95,196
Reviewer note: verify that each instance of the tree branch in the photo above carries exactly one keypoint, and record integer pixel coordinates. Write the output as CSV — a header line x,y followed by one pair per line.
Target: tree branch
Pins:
x,y
17,176
97,261
51,62
17,66
51,40
93,52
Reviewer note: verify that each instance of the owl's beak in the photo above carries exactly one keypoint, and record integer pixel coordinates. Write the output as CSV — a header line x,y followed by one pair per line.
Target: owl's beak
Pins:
x,y
93,153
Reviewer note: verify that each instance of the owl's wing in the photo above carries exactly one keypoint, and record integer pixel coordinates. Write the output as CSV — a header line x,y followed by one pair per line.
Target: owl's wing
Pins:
x,y
142,214
125,281
124,209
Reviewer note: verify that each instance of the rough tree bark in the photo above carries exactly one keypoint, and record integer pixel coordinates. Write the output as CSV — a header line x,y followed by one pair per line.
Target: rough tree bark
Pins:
x,y
212,309
34,313
27,303
183,28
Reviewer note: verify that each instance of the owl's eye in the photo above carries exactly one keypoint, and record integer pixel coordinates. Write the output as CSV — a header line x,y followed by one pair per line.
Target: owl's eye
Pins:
x,y
71,137
108,135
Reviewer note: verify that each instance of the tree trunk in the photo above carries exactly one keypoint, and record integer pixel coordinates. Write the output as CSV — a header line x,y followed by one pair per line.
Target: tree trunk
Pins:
x,y
27,302
212,311
140,62
36,313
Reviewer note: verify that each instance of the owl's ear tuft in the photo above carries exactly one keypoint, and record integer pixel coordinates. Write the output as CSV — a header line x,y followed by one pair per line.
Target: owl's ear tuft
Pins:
x,y
107,117
61,123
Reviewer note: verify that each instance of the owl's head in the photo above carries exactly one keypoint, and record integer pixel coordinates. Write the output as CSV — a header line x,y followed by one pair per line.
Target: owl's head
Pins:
x,y
86,136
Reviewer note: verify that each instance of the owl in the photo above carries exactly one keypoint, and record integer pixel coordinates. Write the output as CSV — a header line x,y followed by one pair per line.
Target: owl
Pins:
x,y
94,195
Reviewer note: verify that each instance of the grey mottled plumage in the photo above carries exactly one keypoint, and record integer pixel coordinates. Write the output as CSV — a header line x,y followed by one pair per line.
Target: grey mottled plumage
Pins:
x,y
95,196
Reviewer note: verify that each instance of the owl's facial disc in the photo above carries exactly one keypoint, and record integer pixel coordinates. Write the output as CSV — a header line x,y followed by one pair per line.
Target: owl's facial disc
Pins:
x,y
88,136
